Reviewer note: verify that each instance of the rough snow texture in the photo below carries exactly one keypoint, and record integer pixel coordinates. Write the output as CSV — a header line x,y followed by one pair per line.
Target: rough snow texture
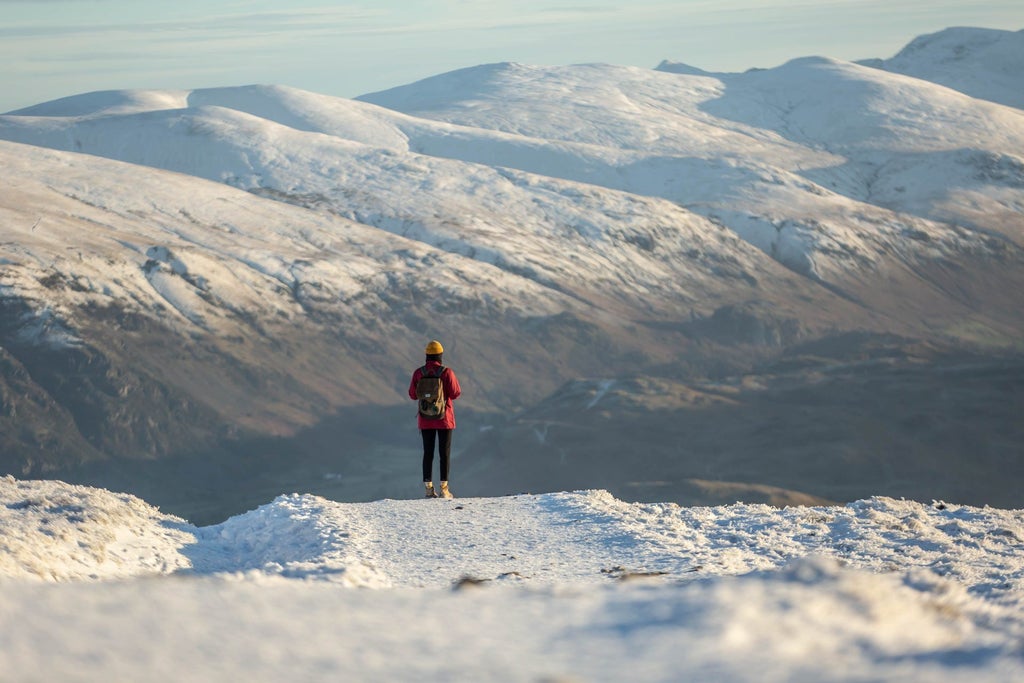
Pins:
x,y
564,586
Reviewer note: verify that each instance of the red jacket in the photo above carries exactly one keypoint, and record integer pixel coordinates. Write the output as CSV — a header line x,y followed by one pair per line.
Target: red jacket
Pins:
x,y
452,391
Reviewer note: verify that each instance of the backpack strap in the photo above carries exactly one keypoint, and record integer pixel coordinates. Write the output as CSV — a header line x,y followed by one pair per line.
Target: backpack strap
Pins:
x,y
423,371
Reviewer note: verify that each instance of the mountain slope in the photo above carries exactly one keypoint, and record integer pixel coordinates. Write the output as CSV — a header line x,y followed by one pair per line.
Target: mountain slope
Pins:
x,y
250,272
916,423
750,142
261,311
187,316
982,63
835,240
518,223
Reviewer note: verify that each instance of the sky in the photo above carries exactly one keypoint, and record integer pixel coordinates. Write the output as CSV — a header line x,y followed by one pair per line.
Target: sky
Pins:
x,y
56,48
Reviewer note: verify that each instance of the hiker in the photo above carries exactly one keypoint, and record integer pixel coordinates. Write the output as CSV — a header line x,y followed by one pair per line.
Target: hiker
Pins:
x,y
434,387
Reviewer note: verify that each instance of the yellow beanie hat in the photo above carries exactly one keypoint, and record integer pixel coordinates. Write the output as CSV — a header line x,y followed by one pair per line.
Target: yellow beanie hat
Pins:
x,y
434,348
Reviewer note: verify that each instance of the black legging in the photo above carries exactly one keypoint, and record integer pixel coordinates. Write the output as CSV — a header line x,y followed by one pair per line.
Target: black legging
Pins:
x,y
444,449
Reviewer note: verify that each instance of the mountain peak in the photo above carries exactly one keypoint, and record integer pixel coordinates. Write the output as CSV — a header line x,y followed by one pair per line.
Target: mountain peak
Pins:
x,y
108,102
981,62
681,68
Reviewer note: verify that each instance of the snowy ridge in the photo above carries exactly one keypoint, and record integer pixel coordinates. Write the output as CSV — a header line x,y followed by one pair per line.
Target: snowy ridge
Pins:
x,y
67,532
656,184
731,148
606,191
983,63
222,254
891,588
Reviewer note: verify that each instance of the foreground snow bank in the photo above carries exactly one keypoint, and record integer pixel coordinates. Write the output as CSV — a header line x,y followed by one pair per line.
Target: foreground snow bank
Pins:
x,y
811,622
56,531
568,586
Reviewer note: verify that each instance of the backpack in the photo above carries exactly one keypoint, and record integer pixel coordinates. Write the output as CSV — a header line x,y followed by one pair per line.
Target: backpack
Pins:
x,y
430,394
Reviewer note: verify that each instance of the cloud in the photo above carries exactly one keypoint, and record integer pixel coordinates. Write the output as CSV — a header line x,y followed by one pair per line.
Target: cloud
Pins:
x,y
283,20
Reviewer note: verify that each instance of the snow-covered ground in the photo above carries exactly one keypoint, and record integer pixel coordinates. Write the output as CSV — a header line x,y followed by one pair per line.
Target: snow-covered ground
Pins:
x,y
558,587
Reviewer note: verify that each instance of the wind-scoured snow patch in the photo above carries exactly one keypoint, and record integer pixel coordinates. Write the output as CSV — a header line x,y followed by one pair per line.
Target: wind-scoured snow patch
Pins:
x,y
603,387
59,532
981,548
296,537
43,327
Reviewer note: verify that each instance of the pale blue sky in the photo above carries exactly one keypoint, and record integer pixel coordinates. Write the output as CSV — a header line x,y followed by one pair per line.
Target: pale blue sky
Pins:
x,y
55,48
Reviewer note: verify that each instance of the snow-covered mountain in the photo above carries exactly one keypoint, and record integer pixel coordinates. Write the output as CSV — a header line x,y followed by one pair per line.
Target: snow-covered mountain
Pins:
x,y
252,271
982,63
566,586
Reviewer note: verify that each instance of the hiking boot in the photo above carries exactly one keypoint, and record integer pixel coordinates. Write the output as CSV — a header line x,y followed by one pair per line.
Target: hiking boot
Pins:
x,y
430,490
445,493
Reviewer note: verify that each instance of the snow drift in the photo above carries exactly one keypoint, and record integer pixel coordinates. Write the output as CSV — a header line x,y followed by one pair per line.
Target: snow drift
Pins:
x,y
568,585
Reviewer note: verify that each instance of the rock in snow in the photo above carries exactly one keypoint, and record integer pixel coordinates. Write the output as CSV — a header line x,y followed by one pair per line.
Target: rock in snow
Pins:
x,y
562,586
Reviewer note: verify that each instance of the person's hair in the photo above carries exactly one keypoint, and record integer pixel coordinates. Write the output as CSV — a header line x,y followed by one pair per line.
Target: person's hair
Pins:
x,y
434,356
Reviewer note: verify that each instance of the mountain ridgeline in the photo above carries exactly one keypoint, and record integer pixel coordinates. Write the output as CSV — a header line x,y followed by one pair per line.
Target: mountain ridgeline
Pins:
x,y
791,285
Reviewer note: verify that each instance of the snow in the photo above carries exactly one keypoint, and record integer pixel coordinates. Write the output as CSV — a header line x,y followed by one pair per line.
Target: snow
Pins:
x,y
537,190
220,252
593,190
983,63
508,164
563,586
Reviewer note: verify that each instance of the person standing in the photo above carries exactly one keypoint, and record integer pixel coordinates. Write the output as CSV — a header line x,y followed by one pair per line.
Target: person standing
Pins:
x,y
434,387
